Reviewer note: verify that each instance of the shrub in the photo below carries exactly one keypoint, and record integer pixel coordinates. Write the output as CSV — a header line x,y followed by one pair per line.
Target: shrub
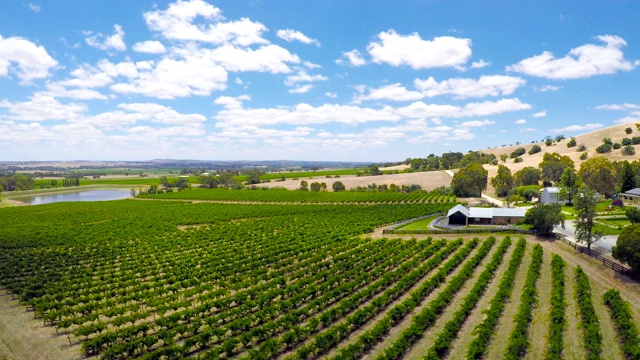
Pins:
x,y
584,156
635,140
535,149
607,141
628,130
604,148
571,143
582,147
617,202
517,160
628,150
626,141
617,146
517,152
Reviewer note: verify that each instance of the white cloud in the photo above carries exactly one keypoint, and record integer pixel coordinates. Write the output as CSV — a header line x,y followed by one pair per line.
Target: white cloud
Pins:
x,y
104,42
176,78
581,62
42,108
540,114
462,88
331,95
354,58
24,58
625,106
181,21
231,102
294,35
578,128
520,121
411,50
546,88
480,64
421,110
301,89
628,119
302,76
269,58
132,113
60,91
149,47
529,130
35,8
395,92
477,123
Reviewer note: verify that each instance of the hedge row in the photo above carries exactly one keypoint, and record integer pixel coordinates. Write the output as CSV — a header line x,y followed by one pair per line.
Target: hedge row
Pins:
x,y
589,321
450,331
429,314
518,340
557,321
485,330
622,317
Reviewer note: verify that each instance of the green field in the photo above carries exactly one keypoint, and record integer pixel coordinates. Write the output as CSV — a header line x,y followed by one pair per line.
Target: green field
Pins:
x,y
418,225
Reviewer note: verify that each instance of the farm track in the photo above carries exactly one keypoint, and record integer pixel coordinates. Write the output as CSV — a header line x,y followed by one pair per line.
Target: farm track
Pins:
x,y
539,328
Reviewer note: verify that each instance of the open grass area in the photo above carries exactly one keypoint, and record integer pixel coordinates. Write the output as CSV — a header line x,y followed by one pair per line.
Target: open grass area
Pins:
x,y
419,225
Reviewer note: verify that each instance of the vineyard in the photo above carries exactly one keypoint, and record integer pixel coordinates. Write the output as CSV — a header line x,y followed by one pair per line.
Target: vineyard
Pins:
x,y
172,279
295,196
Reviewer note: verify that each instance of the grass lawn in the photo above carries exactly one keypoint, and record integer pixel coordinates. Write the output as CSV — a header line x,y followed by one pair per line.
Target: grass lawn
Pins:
x,y
419,225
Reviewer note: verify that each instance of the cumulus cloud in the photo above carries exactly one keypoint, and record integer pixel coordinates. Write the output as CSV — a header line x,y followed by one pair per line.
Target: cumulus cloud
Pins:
x,y
149,47
302,76
581,62
331,95
396,50
301,89
290,35
625,106
462,88
231,102
270,58
104,42
628,119
353,58
477,123
578,128
540,114
546,88
42,108
395,92
197,20
421,110
480,64
35,8
132,113
520,121
27,60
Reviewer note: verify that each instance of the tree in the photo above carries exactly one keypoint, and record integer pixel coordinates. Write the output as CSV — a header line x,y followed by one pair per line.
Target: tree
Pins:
x,y
628,150
569,185
315,186
253,176
209,181
304,185
627,178
628,130
585,207
338,186
571,142
553,165
543,218
503,181
627,247
225,178
535,149
599,174
504,157
133,191
527,176
633,214
470,180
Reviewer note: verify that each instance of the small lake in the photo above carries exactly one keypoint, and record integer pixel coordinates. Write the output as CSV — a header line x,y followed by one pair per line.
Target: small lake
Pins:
x,y
84,195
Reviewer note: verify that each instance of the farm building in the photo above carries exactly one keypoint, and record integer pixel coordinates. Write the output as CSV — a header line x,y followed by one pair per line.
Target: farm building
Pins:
x,y
551,195
631,197
460,215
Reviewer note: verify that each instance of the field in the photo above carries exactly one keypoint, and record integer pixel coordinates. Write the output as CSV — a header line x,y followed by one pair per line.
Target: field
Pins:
x,y
172,279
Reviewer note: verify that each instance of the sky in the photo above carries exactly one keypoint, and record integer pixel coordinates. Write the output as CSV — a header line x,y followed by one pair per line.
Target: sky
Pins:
x,y
334,80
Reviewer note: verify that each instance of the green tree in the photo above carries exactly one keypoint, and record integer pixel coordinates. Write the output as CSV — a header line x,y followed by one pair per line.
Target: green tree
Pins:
x,y
209,181
315,186
504,157
599,174
627,178
569,185
253,176
543,218
503,181
585,206
470,180
633,214
225,178
304,185
535,149
627,247
553,165
338,186
571,142
527,176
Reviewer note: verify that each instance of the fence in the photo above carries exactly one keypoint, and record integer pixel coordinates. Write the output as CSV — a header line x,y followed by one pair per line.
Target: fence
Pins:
x,y
458,231
605,261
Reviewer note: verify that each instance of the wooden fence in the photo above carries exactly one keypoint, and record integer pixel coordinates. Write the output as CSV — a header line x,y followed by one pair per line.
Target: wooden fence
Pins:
x,y
605,261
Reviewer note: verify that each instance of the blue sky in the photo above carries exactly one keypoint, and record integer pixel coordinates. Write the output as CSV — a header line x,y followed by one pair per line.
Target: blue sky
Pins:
x,y
308,80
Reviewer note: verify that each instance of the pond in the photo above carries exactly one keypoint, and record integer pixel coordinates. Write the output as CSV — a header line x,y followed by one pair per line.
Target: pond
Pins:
x,y
84,195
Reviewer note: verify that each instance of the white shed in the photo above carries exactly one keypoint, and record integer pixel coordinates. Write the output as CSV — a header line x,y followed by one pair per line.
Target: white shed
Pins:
x,y
551,195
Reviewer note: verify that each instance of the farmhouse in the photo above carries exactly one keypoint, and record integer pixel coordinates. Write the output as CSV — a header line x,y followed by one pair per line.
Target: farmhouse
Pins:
x,y
550,195
631,197
460,215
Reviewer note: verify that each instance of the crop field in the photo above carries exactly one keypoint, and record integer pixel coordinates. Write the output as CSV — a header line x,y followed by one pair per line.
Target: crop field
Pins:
x,y
169,280
296,196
